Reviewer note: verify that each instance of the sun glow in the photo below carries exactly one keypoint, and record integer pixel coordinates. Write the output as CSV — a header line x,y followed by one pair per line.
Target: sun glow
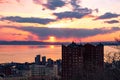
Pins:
x,y
52,46
52,39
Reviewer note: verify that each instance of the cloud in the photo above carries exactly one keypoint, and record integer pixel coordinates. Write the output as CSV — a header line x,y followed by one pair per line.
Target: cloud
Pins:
x,y
28,20
16,34
18,1
75,4
8,1
40,2
70,14
44,33
3,1
111,22
51,4
108,16
30,38
75,10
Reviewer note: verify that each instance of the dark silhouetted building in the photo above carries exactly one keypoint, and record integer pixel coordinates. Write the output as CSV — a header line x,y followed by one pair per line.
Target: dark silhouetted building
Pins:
x,y
93,58
5,70
44,60
50,62
80,59
37,59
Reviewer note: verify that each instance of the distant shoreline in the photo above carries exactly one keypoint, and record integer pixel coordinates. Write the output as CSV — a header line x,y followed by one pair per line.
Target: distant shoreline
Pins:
x,y
52,43
29,43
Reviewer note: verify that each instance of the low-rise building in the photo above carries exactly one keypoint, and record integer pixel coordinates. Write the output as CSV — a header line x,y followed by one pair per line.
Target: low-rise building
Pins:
x,y
43,72
16,78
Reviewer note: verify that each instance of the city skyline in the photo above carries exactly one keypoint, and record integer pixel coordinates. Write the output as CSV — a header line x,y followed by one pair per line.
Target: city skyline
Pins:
x,y
22,53
59,20
49,69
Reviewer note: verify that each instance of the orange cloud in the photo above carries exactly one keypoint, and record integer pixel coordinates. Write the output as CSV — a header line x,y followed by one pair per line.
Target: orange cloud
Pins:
x,y
11,34
102,37
96,38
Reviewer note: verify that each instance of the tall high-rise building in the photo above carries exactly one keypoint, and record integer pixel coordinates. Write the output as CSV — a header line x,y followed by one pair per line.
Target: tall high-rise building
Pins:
x,y
50,62
77,59
93,58
44,60
37,59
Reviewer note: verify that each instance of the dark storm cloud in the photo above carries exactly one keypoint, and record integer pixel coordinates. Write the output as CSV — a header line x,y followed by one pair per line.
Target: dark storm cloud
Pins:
x,y
67,32
108,16
51,4
28,20
111,22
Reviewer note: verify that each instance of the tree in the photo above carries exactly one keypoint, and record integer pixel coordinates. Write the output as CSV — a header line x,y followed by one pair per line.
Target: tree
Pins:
x,y
112,57
117,39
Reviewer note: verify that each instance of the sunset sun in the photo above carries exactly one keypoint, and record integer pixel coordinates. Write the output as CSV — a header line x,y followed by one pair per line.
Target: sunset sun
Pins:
x,y
59,39
53,19
52,39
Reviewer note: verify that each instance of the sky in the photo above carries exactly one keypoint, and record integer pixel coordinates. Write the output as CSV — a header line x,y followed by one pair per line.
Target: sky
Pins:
x,y
59,20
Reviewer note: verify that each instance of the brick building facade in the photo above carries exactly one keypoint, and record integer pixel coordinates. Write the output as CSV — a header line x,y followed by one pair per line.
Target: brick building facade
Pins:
x,y
79,59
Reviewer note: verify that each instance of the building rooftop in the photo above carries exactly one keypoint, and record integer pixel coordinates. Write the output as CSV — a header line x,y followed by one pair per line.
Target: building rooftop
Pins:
x,y
73,44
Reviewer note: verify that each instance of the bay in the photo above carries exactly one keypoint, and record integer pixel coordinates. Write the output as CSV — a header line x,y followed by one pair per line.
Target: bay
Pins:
x,y
27,53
